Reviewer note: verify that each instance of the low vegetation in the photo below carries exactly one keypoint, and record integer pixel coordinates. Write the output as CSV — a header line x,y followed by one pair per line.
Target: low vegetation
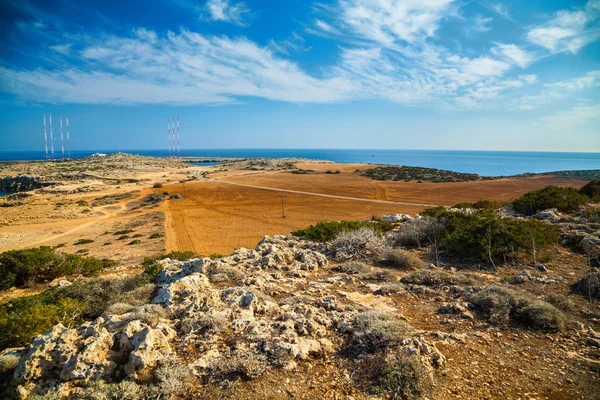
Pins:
x,y
486,236
592,190
83,241
327,231
23,318
174,255
501,305
480,205
589,284
436,277
375,331
351,267
398,258
157,185
398,376
565,199
43,264
404,173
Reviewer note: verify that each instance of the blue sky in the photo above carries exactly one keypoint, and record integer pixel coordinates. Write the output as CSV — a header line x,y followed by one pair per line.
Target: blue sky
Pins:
x,y
428,74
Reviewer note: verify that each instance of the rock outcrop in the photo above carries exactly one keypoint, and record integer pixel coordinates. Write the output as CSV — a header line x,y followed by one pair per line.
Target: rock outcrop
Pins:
x,y
223,309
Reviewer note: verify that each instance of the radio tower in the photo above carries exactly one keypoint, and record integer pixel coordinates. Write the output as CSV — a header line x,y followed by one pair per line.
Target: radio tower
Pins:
x,y
51,137
68,138
62,141
45,137
169,133
178,141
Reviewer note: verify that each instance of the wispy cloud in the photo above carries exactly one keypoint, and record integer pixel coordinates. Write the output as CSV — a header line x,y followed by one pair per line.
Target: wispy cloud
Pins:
x,y
224,10
293,44
555,91
513,54
569,30
480,24
572,118
499,8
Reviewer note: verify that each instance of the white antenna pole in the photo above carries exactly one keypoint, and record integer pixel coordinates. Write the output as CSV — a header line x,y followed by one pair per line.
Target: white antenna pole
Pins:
x,y
62,141
169,133
51,137
178,141
45,137
68,138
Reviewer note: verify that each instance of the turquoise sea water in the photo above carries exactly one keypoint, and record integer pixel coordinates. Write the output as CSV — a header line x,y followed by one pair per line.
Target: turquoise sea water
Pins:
x,y
488,163
5,193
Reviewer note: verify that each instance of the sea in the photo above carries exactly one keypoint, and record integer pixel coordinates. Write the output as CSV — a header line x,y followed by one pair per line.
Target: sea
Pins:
x,y
485,163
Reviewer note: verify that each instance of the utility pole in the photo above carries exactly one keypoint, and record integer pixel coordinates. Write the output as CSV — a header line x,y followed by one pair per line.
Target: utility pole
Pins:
x,y
282,196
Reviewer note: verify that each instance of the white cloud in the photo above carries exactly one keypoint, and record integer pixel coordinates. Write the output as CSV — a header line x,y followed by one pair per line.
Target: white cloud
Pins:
x,y
500,9
556,91
480,24
293,44
189,68
575,117
569,30
223,10
62,48
514,54
387,21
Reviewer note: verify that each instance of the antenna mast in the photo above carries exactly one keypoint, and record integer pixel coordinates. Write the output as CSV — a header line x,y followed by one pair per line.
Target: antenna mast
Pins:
x,y
68,138
169,133
178,141
45,137
51,137
62,141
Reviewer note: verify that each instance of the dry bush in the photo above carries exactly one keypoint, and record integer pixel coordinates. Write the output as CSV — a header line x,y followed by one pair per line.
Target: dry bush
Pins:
x,y
150,314
8,362
355,243
213,323
589,284
381,276
376,330
399,376
542,315
139,296
560,301
399,258
351,267
173,378
412,233
436,277
118,309
501,304
390,288
125,390
299,299
224,273
245,365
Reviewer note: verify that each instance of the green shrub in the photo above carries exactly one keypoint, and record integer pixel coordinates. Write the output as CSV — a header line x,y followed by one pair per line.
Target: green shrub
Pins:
x,y
43,264
155,236
82,203
83,241
559,301
480,205
153,198
327,231
23,318
174,255
486,236
592,190
157,185
134,242
565,199
436,277
123,232
152,271
541,315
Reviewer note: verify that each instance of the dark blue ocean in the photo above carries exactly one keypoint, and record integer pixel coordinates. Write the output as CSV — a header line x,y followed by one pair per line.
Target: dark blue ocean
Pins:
x,y
487,163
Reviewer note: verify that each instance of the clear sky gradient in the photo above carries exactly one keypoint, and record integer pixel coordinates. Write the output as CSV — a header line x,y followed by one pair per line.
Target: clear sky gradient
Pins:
x,y
412,74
